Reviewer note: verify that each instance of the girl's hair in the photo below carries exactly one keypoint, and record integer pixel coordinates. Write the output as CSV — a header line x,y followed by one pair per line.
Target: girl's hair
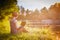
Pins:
x,y
14,14
23,23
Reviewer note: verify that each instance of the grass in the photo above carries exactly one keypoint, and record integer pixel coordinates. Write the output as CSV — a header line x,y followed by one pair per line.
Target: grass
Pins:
x,y
43,35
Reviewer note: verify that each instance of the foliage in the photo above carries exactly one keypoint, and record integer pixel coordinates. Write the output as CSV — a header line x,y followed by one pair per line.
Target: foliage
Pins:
x,y
7,7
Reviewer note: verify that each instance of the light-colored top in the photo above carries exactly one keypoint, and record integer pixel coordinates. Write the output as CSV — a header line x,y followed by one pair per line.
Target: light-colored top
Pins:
x,y
13,25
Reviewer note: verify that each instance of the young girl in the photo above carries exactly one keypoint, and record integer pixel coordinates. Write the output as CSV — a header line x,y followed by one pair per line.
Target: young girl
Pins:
x,y
21,28
13,21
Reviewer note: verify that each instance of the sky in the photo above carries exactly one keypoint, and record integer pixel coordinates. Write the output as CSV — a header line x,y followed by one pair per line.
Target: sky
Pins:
x,y
39,4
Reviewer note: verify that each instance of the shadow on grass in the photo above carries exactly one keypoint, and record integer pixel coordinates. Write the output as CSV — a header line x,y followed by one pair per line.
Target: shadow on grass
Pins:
x,y
23,36
4,36
8,36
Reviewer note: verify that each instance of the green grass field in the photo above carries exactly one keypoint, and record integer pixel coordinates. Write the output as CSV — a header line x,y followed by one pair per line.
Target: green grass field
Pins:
x,y
26,36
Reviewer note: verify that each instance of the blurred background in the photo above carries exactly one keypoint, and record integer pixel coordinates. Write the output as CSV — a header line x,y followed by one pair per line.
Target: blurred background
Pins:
x,y
42,18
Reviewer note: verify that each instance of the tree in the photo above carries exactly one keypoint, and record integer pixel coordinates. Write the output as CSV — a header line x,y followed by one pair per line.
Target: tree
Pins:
x,y
6,7
54,12
22,9
27,11
36,11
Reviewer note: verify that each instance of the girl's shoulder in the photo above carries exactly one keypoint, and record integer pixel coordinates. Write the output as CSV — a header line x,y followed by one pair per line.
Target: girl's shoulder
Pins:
x,y
12,19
